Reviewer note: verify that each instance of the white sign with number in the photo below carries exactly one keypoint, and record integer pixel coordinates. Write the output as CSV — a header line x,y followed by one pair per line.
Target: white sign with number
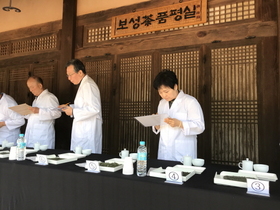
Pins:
x,y
92,166
258,187
173,176
42,160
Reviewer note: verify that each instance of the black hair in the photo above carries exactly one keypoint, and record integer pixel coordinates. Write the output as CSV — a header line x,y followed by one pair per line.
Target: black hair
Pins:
x,y
165,77
38,79
78,65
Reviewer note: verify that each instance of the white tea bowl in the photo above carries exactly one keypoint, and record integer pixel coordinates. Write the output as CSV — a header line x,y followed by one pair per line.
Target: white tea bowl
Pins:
x,y
86,151
133,156
198,162
44,147
261,168
9,144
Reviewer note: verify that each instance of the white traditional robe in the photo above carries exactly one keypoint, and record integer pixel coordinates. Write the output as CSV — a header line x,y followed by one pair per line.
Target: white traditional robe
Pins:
x,y
87,124
13,120
40,127
175,142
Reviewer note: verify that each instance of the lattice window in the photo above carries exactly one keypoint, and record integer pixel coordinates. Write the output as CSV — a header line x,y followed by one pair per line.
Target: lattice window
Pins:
x,y
35,44
234,108
216,15
101,73
99,34
4,49
17,84
46,72
135,100
186,67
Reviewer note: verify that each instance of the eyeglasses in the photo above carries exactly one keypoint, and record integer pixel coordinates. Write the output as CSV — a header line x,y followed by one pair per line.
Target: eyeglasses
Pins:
x,y
70,74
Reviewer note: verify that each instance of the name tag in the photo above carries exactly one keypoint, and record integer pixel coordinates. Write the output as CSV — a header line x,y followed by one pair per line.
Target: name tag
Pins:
x,y
92,166
258,187
173,176
42,160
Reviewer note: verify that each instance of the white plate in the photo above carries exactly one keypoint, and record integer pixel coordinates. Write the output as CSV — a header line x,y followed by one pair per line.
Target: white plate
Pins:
x,y
71,155
117,160
261,175
4,154
102,168
219,179
160,172
198,170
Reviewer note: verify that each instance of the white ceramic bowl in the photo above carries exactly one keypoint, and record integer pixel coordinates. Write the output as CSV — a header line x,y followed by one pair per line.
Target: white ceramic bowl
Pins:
x,y
261,168
44,147
198,162
10,144
86,151
133,156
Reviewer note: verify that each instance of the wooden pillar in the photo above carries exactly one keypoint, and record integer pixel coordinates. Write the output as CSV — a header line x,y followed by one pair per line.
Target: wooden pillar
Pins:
x,y
65,88
278,60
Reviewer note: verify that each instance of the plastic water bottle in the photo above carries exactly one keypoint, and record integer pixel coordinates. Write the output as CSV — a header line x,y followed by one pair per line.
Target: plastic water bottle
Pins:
x,y
142,159
21,147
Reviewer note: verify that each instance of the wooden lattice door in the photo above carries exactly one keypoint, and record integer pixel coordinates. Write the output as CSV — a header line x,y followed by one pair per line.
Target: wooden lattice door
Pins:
x,y
234,104
17,84
134,100
101,71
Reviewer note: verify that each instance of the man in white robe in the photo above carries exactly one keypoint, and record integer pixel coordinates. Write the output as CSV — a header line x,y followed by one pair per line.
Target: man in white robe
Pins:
x,y
10,121
86,110
40,126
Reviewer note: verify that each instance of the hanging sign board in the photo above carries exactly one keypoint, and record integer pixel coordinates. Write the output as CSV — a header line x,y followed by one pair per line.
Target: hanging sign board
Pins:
x,y
172,16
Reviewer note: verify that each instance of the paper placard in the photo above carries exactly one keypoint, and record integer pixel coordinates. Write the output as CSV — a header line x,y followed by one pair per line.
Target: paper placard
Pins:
x,y
22,109
92,166
152,120
173,176
258,187
42,160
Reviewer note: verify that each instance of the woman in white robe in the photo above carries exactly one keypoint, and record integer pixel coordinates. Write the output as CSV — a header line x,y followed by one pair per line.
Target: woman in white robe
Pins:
x,y
178,136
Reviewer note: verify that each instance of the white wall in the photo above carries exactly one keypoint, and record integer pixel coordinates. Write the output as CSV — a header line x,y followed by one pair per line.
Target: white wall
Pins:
x,y
42,11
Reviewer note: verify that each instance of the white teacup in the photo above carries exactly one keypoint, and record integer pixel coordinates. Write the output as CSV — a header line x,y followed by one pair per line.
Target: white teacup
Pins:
x,y
4,142
261,168
198,162
78,150
133,156
246,165
186,160
124,153
37,146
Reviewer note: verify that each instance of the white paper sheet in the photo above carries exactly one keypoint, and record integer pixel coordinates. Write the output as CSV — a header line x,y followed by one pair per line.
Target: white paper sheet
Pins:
x,y
22,109
152,120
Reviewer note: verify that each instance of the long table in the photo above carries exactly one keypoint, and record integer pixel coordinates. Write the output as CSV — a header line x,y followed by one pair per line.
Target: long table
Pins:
x,y
26,186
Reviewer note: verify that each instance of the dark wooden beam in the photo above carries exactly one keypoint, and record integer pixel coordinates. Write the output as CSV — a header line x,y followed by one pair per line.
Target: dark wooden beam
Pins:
x,y
65,88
